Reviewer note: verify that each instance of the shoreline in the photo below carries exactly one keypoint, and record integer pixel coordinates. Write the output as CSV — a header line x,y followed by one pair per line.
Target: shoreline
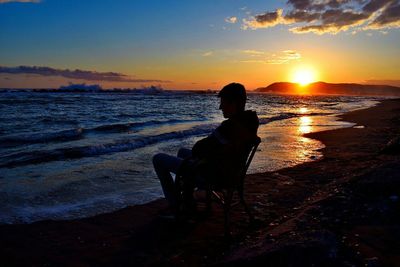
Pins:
x,y
281,200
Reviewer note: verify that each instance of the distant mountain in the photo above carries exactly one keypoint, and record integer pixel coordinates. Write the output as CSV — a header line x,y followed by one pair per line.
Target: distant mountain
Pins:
x,y
319,88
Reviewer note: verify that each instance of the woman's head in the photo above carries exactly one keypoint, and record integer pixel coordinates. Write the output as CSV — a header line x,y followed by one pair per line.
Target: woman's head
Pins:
x,y
233,99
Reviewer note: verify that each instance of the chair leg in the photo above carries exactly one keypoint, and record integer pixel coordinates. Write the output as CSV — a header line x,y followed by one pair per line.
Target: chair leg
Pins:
x,y
246,207
178,198
227,207
208,200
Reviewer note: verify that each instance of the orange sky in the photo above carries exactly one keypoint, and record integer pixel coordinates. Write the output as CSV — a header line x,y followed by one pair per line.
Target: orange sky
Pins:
x,y
195,45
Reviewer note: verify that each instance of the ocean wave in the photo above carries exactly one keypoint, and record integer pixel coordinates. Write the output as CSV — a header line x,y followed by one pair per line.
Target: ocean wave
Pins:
x,y
75,134
41,156
277,118
24,139
90,206
290,115
118,127
121,127
57,120
29,214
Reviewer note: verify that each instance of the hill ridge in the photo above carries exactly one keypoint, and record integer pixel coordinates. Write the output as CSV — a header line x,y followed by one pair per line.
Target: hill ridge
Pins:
x,y
321,87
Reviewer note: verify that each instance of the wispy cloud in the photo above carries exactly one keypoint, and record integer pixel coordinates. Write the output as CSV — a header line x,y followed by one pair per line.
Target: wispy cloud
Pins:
x,y
207,54
388,18
282,57
86,75
330,16
19,1
231,20
254,61
253,52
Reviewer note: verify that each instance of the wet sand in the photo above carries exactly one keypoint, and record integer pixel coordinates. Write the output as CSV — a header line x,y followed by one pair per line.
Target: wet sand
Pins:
x,y
342,210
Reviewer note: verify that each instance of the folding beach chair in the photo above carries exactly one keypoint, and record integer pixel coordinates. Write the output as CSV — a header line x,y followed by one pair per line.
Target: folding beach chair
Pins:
x,y
223,193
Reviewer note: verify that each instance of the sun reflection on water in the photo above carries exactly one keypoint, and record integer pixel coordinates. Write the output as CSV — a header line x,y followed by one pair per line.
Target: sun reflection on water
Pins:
x,y
305,125
303,110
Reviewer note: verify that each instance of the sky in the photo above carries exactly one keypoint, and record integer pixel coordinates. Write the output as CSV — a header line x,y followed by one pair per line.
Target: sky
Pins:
x,y
197,44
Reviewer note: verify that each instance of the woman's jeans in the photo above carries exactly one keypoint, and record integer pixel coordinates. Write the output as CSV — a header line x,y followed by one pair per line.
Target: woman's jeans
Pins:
x,y
165,164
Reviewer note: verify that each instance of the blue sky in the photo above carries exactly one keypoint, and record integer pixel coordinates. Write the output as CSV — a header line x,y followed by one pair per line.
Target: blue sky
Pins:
x,y
194,44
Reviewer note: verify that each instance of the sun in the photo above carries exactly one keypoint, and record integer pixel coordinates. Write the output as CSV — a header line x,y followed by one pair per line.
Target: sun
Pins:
x,y
304,76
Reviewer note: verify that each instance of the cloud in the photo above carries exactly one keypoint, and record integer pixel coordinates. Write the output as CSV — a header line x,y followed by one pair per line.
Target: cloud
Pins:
x,y
254,61
330,16
291,54
375,5
231,20
389,18
283,57
317,5
86,75
19,1
207,54
301,16
334,21
265,20
253,52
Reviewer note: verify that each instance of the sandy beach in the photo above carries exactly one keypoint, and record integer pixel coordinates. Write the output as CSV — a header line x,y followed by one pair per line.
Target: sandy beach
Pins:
x,y
342,210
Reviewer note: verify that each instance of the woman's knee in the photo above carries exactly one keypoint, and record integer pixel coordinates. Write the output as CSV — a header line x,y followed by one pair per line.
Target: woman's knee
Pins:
x,y
184,153
158,158
166,162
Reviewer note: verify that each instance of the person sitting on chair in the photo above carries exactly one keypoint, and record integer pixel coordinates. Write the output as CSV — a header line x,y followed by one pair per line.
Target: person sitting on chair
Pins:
x,y
220,150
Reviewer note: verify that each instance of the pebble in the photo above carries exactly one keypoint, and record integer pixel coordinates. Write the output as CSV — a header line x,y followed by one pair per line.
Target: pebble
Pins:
x,y
372,262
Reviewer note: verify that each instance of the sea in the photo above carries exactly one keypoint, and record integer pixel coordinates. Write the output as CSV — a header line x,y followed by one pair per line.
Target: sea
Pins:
x,y
66,155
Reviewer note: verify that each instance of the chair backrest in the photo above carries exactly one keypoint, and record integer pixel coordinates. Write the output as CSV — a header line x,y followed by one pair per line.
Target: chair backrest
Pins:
x,y
241,164
249,157
253,150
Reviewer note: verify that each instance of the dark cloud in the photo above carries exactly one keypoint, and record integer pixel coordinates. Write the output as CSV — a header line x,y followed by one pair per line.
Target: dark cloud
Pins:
x,y
331,16
333,21
320,29
267,19
375,5
389,17
74,74
314,5
300,4
337,3
302,16
340,18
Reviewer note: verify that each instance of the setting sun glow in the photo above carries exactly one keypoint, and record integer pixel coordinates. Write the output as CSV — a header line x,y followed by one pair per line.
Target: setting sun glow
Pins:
x,y
304,76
